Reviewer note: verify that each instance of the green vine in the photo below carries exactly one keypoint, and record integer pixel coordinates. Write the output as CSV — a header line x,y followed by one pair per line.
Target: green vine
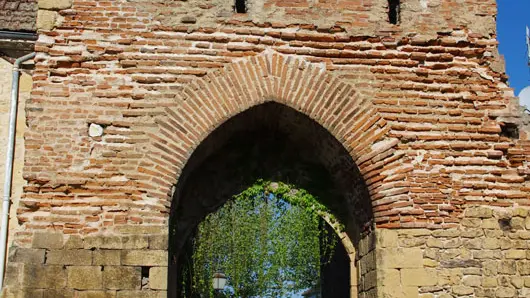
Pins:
x,y
270,241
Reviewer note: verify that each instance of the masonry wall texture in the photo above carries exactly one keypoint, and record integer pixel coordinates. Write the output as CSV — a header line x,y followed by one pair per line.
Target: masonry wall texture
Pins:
x,y
420,106
16,15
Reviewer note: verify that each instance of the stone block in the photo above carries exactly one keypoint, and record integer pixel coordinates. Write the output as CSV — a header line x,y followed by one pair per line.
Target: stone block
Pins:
x,y
433,242
515,254
69,257
132,229
489,282
479,212
46,19
26,255
106,257
54,4
523,267
490,223
96,294
472,233
85,277
43,276
491,243
23,293
450,233
505,292
122,277
521,212
527,223
517,223
144,257
389,258
74,242
158,241
389,278
13,274
471,222
387,238
462,290
507,267
48,240
517,282
472,281
158,278
135,242
411,242
105,242
58,293
143,294
419,277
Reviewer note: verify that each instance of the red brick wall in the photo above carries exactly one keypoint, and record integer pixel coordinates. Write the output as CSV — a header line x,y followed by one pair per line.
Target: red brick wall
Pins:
x,y
159,84
419,106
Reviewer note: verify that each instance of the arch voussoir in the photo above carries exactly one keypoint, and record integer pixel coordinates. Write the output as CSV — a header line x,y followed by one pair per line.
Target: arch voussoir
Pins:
x,y
331,101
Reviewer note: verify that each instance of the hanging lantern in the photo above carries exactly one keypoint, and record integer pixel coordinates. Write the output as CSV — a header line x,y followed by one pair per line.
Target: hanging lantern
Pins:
x,y
219,281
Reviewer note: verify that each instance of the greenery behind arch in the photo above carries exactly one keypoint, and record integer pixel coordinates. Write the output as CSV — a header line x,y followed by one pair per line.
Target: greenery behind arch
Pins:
x,y
270,240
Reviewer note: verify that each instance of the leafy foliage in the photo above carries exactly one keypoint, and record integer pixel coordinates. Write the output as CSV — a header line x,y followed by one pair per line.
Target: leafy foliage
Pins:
x,y
269,240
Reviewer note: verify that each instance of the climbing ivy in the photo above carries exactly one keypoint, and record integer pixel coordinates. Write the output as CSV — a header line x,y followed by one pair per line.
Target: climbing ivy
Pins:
x,y
270,241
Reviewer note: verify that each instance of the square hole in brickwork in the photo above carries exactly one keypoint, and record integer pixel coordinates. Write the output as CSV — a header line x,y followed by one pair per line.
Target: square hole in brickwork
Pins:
x,y
509,130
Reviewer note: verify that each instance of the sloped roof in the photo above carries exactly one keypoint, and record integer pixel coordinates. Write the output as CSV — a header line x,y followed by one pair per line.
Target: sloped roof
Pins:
x,y
18,15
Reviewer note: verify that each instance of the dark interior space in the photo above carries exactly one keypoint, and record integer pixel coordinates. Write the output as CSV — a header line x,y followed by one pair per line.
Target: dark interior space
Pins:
x,y
273,142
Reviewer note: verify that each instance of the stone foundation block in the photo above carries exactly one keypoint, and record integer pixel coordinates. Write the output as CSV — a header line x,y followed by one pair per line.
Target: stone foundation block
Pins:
x,y
69,257
85,277
106,257
55,4
399,258
158,241
74,242
96,294
26,255
135,242
43,276
144,257
62,293
48,240
143,294
117,242
122,277
158,278
419,277
23,293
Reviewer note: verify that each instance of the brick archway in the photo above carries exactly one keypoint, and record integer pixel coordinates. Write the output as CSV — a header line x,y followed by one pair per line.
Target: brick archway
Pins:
x,y
331,102
205,103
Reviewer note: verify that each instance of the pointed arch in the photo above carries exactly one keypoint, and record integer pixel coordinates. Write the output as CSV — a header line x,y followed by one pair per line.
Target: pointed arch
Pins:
x,y
206,103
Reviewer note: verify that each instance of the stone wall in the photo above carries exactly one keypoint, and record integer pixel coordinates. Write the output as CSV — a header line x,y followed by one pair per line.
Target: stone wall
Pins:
x,y
485,255
115,266
420,106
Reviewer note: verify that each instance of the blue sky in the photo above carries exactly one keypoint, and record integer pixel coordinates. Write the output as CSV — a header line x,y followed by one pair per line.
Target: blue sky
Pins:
x,y
513,17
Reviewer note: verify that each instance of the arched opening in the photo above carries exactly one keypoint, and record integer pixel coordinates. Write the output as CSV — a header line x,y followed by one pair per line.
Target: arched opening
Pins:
x,y
274,142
